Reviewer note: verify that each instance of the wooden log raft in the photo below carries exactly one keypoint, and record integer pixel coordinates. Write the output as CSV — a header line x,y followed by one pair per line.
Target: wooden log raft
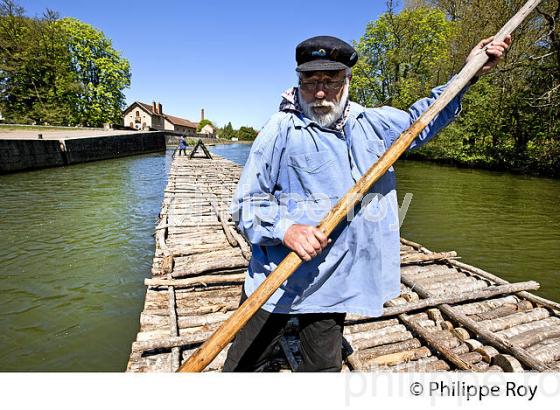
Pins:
x,y
203,300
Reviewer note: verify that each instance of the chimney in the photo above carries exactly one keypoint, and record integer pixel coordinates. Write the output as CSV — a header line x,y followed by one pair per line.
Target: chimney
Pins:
x,y
154,108
160,109
202,114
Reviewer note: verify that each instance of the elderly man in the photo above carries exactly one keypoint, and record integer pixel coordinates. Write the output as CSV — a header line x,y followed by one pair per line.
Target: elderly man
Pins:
x,y
304,160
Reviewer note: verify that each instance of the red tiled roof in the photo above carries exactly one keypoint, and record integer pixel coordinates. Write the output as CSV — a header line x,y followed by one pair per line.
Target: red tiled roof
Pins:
x,y
180,121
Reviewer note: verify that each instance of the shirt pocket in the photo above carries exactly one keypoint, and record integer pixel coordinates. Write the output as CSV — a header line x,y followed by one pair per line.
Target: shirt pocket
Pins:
x,y
314,173
311,163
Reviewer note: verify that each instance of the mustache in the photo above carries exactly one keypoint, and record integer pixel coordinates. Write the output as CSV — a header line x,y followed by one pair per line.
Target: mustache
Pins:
x,y
322,104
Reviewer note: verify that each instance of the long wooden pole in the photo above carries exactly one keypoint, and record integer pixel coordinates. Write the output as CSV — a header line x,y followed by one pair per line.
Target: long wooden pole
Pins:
x,y
225,334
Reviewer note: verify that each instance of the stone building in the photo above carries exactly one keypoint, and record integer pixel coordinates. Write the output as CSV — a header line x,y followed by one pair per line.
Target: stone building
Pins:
x,y
142,116
208,130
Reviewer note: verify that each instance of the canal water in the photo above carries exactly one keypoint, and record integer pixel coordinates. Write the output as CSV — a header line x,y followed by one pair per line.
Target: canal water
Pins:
x,y
76,243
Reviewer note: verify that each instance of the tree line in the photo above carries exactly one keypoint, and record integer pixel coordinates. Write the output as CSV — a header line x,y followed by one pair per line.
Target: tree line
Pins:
x,y
244,133
58,71
510,118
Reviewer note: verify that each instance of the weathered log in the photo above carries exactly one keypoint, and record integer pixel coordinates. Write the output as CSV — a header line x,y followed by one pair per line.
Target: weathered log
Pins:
x,y
435,315
451,298
411,244
410,296
515,319
366,326
185,321
351,357
531,337
400,357
398,301
493,278
418,316
209,263
192,310
421,365
174,357
555,367
426,323
223,221
504,310
485,305
441,280
493,339
436,256
529,296
166,342
546,352
422,272
471,357
243,245
366,355
454,289
485,335
178,250
199,280
487,353
365,332
461,334
473,344
460,349
160,239
507,362
536,325
364,343
167,264
449,342
436,344
446,325
189,304
216,364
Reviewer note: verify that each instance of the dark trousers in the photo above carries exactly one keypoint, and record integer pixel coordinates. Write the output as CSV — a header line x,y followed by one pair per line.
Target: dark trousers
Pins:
x,y
320,336
184,151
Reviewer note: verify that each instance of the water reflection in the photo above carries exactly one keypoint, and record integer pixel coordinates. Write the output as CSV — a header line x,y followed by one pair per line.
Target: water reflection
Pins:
x,y
76,243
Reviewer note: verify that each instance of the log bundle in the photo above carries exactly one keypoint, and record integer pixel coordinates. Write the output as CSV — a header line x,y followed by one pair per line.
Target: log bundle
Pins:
x,y
449,316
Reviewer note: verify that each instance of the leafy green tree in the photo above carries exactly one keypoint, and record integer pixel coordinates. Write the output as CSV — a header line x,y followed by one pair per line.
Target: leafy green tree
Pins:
x,y
100,71
227,132
247,134
401,57
54,71
510,118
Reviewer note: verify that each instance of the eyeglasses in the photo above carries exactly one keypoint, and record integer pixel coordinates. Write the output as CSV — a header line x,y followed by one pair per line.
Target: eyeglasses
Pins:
x,y
311,86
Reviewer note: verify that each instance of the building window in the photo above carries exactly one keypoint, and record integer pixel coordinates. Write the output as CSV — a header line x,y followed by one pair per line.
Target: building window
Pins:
x,y
138,113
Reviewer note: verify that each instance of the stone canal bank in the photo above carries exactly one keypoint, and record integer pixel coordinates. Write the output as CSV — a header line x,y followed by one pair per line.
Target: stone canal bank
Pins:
x,y
27,150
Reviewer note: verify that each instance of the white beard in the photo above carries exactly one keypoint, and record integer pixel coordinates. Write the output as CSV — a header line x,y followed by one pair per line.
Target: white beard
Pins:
x,y
336,108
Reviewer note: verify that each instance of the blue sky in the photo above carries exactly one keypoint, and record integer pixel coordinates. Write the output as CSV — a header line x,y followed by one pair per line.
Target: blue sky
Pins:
x,y
234,58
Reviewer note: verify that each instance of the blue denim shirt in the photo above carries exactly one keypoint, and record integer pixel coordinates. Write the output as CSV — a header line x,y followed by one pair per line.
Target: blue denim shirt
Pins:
x,y
296,171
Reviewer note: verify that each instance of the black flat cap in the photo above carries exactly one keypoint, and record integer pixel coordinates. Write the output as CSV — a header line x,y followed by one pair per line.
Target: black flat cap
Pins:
x,y
323,53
